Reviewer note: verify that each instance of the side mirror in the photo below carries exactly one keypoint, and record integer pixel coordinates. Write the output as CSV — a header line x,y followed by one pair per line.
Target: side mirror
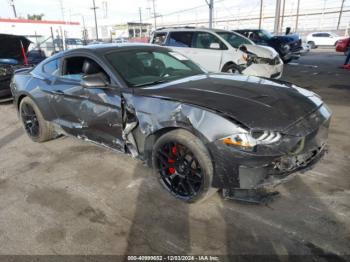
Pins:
x,y
214,46
94,81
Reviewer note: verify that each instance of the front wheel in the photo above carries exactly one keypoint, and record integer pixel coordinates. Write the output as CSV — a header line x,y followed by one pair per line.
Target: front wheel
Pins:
x,y
183,166
36,127
231,68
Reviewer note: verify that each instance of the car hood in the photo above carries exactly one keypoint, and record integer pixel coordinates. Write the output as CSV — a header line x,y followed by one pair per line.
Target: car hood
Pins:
x,y
262,51
254,102
10,46
286,39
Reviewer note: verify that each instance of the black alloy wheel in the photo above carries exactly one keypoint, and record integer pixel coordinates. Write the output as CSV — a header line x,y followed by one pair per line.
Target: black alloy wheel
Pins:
x,y
180,171
30,120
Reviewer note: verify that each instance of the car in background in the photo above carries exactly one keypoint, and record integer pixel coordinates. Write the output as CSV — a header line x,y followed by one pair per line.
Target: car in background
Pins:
x,y
120,40
70,43
73,43
343,46
35,56
323,39
287,46
219,50
13,55
199,131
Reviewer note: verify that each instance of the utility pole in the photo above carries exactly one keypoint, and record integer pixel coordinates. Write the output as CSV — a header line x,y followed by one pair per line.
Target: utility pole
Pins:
x,y
62,10
340,13
94,8
282,17
261,10
277,16
297,17
12,4
211,9
154,14
140,14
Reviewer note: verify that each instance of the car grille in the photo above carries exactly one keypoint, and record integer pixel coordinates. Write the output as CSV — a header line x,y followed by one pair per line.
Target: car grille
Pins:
x,y
296,46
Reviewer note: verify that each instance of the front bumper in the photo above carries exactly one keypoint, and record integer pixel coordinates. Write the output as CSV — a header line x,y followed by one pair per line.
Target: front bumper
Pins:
x,y
276,164
265,70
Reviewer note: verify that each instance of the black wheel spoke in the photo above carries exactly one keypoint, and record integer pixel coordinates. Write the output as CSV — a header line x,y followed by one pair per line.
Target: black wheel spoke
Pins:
x,y
179,170
29,119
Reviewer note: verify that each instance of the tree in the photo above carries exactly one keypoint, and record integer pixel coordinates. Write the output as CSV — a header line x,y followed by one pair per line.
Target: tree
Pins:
x,y
35,16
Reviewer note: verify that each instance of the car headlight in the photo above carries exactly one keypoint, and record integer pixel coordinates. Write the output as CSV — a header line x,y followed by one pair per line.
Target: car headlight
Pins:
x,y
249,140
285,48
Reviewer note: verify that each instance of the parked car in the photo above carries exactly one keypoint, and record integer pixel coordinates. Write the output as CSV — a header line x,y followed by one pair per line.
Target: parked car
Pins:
x,y
35,56
343,45
199,131
120,40
221,51
12,51
323,39
288,46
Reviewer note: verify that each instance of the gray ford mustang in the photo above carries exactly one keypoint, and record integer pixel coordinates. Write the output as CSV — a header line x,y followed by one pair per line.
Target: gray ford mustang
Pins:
x,y
200,132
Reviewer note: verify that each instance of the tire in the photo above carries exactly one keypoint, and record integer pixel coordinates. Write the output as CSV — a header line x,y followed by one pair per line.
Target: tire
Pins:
x,y
312,44
231,68
36,127
182,174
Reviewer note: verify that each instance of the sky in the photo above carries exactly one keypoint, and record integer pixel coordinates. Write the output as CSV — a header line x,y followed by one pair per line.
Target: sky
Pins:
x,y
169,11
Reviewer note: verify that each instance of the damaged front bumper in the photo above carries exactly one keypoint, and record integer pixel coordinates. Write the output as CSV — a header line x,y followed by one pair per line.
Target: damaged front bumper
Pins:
x,y
272,165
266,70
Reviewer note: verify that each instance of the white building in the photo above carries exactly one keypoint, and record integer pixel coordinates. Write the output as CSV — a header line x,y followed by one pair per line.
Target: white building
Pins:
x,y
39,29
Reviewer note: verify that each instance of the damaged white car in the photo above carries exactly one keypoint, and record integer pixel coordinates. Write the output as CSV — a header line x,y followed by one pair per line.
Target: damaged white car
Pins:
x,y
221,51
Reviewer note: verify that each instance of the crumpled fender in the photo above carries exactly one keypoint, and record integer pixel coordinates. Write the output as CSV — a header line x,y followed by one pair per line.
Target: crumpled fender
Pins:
x,y
154,114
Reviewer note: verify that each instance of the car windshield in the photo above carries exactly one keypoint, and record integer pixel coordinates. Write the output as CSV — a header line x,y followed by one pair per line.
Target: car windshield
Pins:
x,y
233,39
149,67
265,34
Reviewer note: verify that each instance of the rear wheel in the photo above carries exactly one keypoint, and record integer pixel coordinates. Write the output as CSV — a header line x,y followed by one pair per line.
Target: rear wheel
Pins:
x,y
183,166
36,127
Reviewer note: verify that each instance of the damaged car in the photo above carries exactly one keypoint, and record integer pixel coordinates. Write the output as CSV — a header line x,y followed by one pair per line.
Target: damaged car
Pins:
x,y
199,131
288,46
219,50
13,51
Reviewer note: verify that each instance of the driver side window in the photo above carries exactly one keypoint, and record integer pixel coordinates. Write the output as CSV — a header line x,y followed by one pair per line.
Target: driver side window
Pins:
x,y
204,40
74,68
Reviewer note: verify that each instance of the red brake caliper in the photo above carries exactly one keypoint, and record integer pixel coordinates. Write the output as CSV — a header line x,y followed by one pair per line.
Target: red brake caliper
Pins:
x,y
170,160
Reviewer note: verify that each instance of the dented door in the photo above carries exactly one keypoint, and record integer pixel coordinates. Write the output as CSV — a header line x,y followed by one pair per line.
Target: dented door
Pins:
x,y
102,116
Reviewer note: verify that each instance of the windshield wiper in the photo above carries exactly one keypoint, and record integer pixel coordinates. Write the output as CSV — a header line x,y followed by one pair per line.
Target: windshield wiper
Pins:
x,y
159,81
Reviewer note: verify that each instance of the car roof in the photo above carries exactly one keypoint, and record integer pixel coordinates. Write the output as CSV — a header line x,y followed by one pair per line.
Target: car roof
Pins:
x,y
105,48
189,29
